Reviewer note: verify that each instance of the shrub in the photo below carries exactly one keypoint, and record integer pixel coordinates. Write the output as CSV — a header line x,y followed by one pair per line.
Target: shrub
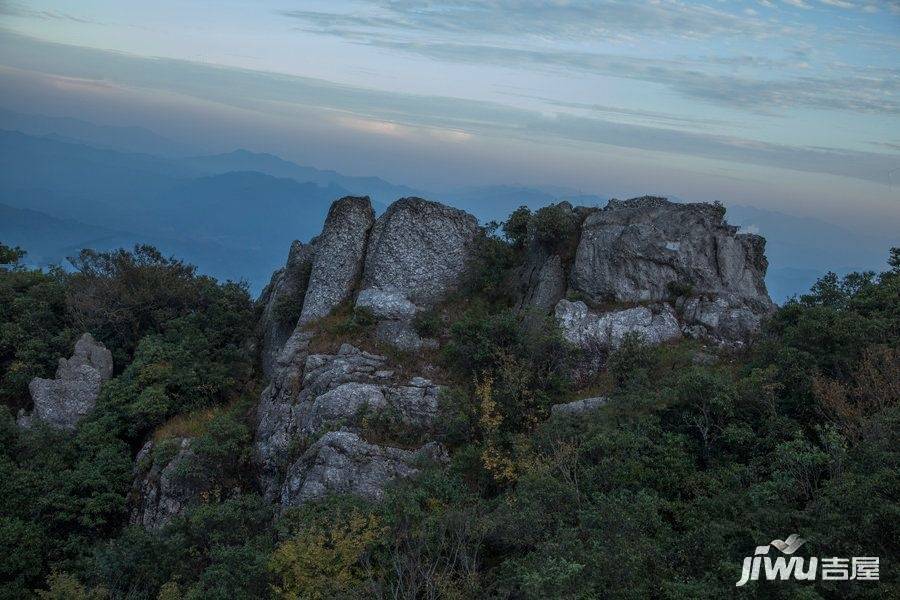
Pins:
x,y
679,289
515,228
553,226
428,323
325,556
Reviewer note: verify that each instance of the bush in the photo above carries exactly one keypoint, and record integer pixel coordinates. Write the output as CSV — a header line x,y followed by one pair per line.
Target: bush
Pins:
x,y
428,324
120,296
35,330
553,226
679,289
515,228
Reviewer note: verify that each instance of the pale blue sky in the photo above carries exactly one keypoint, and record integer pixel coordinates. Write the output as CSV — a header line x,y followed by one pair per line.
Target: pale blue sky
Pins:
x,y
785,104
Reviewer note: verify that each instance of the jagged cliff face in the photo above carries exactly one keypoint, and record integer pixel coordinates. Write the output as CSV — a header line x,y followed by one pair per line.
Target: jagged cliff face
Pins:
x,y
644,266
408,259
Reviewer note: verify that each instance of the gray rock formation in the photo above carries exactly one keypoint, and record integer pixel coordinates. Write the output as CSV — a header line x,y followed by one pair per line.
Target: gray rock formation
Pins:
x,y
605,331
282,301
637,250
340,251
386,303
312,393
419,249
395,314
578,408
164,485
274,426
63,401
544,282
341,462
725,317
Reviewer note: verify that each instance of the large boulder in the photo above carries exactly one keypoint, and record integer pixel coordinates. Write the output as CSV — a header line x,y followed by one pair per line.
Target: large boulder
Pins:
x,y
647,249
339,255
395,314
604,331
312,393
164,484
282,301
419,249
340,462
63,401
578,408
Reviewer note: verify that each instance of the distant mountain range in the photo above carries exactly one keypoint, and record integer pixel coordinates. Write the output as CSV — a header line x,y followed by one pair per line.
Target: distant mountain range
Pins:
x,y
67,184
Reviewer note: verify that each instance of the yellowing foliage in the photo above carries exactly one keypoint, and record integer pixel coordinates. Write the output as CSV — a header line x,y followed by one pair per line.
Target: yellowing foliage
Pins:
x,y
322,560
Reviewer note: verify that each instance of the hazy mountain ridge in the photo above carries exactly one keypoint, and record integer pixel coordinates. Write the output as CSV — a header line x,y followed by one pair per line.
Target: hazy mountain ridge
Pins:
x,y
255,204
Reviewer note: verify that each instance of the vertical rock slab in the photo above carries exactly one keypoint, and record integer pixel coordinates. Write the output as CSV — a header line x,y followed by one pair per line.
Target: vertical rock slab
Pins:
x,y
282,301
419,249
340,251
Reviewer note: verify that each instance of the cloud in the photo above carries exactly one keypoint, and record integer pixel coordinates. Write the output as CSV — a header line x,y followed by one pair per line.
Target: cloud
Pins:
x,y
393,113
14,9
569,19
870,91
557,36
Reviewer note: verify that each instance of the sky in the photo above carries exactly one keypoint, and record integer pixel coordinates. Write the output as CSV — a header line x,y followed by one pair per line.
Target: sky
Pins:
x,y
789,105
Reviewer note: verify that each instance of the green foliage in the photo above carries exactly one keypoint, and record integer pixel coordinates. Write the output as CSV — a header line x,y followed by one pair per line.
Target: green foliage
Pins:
x,y
488,275
215,551
35,330
553,226
679,289
660,493
120,296
515,228
326,556
63,586
10,256
633,360
428,324
358,321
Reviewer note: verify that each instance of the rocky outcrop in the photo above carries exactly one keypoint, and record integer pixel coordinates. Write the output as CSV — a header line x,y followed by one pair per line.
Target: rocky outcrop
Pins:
x,y
340,251
164,484
340,462
62,402
578,408
632,251
419,249
725,317
282,301
647,249
315,393
605,331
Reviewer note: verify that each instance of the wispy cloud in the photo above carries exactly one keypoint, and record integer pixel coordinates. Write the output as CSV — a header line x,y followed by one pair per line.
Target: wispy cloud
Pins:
x,y
391,113
14,9
558,36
